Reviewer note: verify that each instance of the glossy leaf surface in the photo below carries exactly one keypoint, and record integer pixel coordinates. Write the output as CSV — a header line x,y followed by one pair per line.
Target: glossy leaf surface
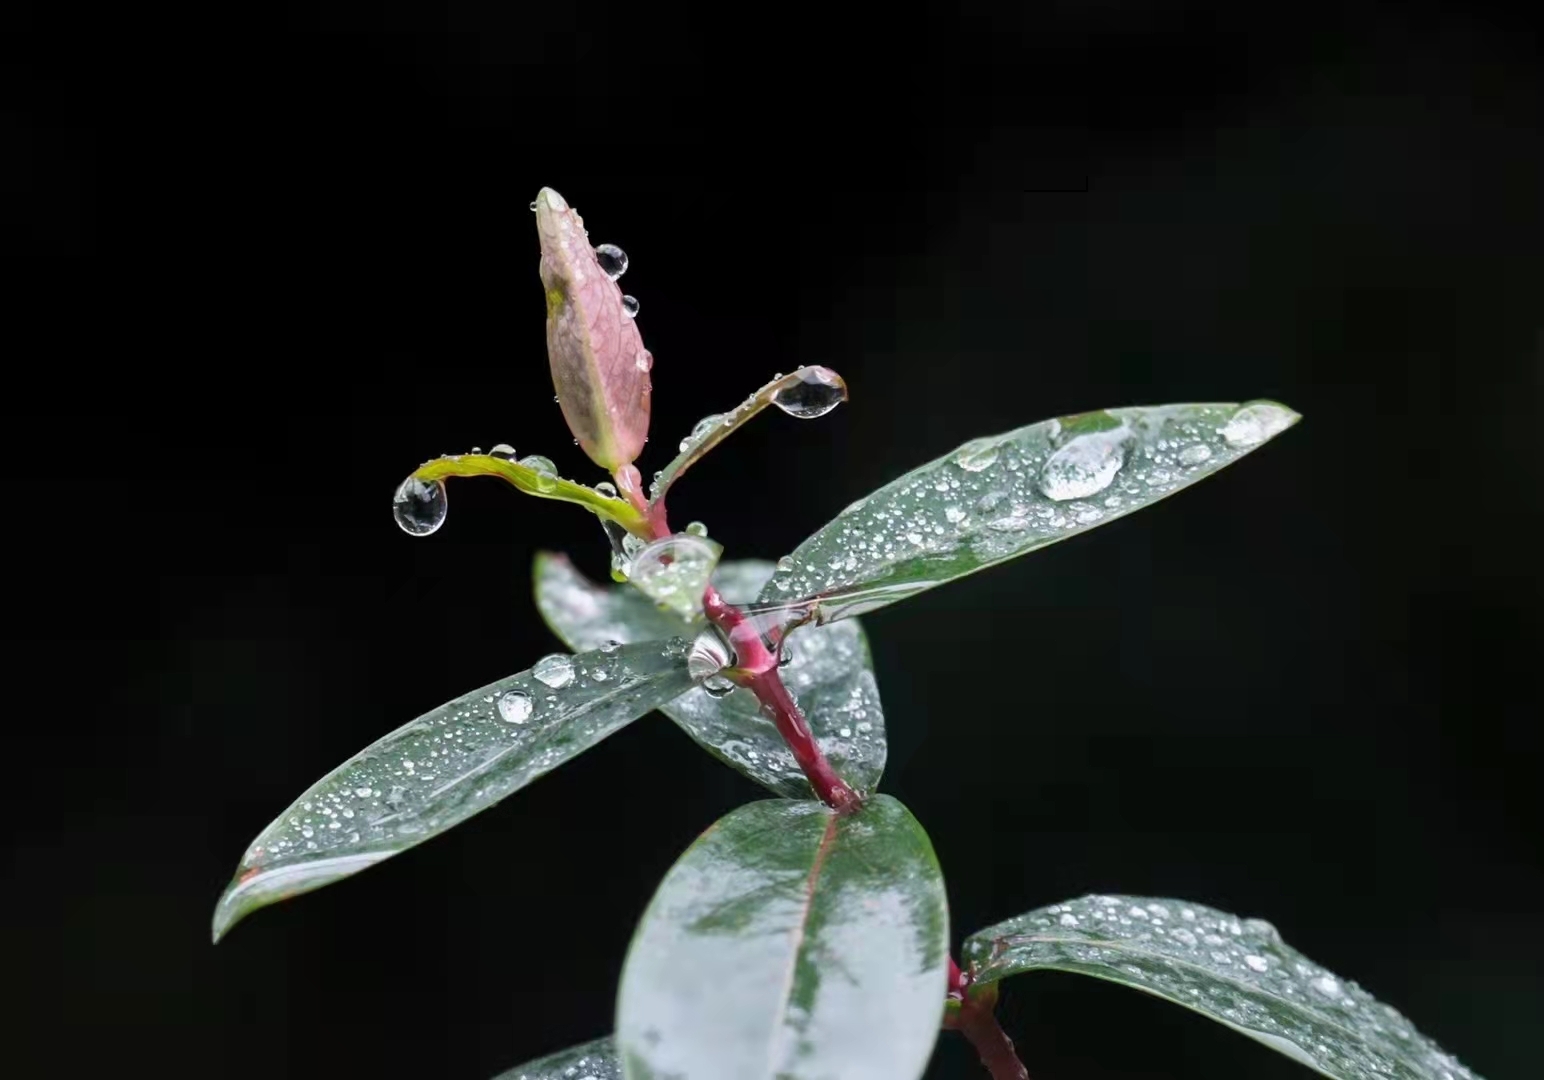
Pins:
x,y
538,482
596,1060
1236,971
999,497
790,943
829,672
449,764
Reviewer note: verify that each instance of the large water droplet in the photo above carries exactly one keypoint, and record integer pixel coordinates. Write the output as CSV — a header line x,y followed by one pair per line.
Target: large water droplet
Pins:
x,y
606,489
709,654
515,706
546,472
717,686
1194,455
675,570
420,506
977,455
697,528
1085,466
630,306
818,391
555,670
612,259
1256,421
503,450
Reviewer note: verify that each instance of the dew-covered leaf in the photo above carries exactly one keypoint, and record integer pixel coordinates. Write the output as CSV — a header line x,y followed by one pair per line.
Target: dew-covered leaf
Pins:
x,y
998,497
596,1060
1235,971
449,764
792,943
829,673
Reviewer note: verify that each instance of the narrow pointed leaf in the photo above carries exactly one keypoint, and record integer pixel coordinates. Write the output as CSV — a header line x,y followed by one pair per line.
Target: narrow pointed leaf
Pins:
x,y
595,1060
995,498
447,765
712,430
1235,971
538,483
830,674
790,943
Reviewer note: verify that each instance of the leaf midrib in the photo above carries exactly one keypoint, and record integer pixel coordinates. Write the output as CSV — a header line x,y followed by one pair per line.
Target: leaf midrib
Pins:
x,y
811,883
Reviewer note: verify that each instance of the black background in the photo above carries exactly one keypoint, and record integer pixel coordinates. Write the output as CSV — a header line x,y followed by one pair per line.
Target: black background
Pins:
x,y
275,259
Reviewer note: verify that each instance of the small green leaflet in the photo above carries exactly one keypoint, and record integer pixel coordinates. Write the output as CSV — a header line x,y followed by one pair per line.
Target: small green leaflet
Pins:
x,y
791,943
995,498
830,675
596,1060
1235,971
449,764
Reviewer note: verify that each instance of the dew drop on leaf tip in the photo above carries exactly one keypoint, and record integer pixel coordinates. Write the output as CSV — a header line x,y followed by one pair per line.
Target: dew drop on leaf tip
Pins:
x,y
420,506
818,391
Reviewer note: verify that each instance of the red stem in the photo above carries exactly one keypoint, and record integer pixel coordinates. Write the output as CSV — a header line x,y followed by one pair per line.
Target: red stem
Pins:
x,y
973,1016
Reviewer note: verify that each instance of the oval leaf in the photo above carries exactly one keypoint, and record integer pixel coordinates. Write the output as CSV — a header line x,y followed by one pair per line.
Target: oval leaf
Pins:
x,y
447,765
1235,971
999,497
595,1060
830,674
792,943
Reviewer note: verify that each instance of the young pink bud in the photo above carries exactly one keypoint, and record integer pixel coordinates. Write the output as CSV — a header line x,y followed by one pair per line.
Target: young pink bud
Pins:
x,y
599,365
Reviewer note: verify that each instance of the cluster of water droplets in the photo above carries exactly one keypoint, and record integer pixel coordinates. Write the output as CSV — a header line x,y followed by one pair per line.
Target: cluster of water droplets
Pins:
x,y
827,669
1236,970
595,1060
613,262
998,497
472,751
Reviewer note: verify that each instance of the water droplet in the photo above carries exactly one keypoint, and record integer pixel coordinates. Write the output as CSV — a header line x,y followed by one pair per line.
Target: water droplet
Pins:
x,y
612,259
1183,936
785,563
1256,963
630,308
515,706
709,654
610,647
1256,421
675,570
954,514
555,670
503,450
717,686
1085,466
608,490
599,675
533,206
1326,985
419,506
1068,919
1194,455
539,463
976,455
644,361
818,391
697,528
785,656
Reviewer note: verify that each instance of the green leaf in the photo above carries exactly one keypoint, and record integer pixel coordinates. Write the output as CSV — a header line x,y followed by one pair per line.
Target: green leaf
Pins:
x,y
449,764
999,497
596,1060
791,943
830,675
541,482
714,429
1235,971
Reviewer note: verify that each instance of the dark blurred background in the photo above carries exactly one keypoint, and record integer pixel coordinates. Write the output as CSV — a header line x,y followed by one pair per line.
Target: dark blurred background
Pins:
x,y
274,260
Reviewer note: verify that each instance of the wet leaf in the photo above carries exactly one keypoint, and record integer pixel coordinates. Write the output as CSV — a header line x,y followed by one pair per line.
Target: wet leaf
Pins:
x,y
1235,971
791,389
595,1060
447,765
599,365
791,943
999,497
830,674
536,482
